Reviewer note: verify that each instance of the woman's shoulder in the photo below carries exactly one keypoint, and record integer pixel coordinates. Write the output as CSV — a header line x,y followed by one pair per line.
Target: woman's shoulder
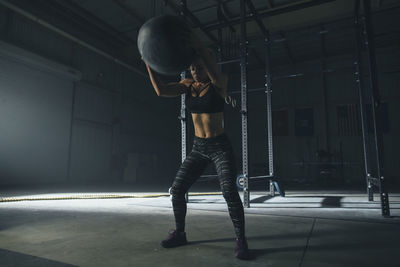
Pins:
x,y
221,85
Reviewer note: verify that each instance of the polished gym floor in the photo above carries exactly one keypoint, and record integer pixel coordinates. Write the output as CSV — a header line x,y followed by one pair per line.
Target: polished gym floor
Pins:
x,y
52,227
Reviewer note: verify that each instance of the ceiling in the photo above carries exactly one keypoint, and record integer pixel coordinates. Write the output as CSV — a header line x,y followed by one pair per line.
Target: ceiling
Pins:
x,y
299,29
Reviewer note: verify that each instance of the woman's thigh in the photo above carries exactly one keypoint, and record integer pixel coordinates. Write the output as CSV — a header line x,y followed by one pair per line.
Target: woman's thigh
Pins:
x,y
190,170
225,165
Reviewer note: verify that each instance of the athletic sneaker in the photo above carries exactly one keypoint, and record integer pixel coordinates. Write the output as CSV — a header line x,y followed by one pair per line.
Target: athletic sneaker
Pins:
x,y
174,239
241,249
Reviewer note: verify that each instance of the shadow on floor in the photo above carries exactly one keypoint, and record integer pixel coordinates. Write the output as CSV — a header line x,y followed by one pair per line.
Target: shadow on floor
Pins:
x,y
261,199
12,258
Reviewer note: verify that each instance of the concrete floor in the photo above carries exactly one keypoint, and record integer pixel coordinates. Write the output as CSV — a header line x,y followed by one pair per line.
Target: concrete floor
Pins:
x,y
302,229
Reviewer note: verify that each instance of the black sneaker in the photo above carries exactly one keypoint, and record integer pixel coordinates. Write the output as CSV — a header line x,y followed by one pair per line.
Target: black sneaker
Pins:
x,y
174,239
241,249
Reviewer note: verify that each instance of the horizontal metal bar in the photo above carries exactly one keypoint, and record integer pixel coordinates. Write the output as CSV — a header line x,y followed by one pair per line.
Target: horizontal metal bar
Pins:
x,y
393,8
301,163
261,177
212,176
248,91
287,76
210,6
268,13
279,40
229,61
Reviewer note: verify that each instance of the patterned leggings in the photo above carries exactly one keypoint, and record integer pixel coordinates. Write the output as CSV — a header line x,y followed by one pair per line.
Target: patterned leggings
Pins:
x,y
205,150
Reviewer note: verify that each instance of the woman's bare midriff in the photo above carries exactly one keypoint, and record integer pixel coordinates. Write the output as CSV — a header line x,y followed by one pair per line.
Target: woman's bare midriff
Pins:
x,y
208,125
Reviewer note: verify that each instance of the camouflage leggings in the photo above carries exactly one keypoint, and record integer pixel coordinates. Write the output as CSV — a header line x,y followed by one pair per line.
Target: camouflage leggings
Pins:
x,y
217,150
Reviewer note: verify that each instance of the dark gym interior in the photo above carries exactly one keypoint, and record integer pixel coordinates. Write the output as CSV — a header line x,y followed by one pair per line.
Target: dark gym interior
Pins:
x,y
88,151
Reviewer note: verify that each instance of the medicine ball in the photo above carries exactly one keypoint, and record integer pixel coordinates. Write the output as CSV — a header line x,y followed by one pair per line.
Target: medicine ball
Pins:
x,y
164,43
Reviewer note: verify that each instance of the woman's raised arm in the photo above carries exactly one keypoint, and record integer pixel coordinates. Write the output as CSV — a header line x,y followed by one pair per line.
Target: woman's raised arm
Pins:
x,y
217,78
167,90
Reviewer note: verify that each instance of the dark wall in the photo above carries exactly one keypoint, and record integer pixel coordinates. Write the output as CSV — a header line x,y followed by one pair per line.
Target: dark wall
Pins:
x,y
111,114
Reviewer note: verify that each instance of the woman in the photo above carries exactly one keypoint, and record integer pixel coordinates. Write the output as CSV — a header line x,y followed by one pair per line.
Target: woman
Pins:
x,y
206,92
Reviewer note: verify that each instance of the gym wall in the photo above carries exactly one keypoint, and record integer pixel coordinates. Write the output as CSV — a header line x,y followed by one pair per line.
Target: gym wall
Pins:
x,y
79,130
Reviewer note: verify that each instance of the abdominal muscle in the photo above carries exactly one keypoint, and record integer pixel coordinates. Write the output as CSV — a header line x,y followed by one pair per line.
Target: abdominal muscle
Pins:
x,y
208,125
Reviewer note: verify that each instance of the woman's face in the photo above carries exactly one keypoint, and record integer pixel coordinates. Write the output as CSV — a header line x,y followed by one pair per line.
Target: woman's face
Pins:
x,y
198,72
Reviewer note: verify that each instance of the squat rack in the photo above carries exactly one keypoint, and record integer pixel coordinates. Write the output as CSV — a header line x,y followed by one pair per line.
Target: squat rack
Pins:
x,y
372,143
372,156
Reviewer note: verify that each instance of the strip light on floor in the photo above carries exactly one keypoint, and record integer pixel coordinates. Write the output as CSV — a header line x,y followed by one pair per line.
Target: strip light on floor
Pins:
x,y
95,196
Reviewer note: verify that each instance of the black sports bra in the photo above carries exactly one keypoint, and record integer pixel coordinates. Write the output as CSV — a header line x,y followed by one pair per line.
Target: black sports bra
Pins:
x,y
210,102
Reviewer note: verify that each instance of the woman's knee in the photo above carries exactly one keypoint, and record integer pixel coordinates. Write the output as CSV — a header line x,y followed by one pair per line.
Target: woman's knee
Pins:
x,y
230,194
177,191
